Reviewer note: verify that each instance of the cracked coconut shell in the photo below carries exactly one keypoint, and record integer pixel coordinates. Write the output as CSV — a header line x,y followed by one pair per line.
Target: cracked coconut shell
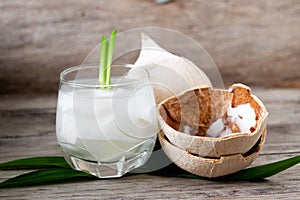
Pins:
x,y
210,167
197,109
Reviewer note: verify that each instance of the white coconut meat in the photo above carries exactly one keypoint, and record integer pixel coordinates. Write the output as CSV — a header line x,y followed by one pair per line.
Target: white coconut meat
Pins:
x,y
243,116
169,74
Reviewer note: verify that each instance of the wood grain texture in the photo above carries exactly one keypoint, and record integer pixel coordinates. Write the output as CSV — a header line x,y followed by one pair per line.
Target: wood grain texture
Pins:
x,y
255,42
28,129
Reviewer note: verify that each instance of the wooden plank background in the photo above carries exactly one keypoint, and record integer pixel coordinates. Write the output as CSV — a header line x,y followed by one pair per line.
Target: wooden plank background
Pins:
x,y
256,42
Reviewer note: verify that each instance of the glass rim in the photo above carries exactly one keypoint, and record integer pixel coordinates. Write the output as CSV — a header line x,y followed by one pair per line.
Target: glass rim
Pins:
x,y
89,66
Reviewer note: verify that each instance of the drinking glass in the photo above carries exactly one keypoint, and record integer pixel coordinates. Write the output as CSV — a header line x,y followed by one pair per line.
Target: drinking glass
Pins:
x,y
106,130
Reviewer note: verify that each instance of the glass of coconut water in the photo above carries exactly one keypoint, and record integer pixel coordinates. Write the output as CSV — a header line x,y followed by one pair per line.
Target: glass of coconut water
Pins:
x,y
106,130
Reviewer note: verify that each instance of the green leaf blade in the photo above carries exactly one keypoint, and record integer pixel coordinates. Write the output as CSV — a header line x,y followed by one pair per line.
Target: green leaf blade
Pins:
x,y
110,55
263,171
35,163
103,61
249,174
46,176
60,172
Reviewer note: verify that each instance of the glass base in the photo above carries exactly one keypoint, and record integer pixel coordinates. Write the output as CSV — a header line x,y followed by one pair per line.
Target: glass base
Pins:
x,y
108,170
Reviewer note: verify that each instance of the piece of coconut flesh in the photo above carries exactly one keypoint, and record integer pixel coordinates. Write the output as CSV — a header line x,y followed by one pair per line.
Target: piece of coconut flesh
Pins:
x,y
169,74
240,119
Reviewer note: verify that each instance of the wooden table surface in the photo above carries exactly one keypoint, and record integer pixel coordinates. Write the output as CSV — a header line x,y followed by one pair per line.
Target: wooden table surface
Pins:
x,y
27,129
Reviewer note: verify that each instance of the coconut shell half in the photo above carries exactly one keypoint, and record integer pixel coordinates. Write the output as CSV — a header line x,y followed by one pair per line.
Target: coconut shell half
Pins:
x,y
197,109
210,167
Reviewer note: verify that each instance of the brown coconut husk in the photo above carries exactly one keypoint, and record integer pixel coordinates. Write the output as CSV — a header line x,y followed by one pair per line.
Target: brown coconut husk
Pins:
x,y
210,106
210,167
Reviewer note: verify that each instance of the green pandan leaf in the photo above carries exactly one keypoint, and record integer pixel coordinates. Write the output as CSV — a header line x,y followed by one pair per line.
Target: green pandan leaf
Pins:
x,y
62,173
106,55
253,173
35,163
110,55
103,61
263,171
47,176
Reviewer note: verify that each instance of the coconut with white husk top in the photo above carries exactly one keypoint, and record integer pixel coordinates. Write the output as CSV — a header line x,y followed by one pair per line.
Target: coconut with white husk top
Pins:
x,y
208,132
169,74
